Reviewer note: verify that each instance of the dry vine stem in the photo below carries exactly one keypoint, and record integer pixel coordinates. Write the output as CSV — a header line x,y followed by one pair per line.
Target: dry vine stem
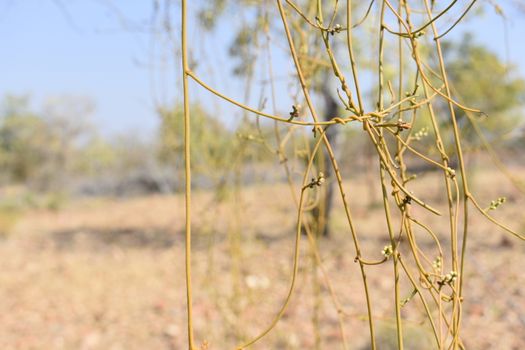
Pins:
x,y
390,132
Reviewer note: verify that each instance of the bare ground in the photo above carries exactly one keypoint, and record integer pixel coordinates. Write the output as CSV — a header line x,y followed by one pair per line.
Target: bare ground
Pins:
x,y
108,274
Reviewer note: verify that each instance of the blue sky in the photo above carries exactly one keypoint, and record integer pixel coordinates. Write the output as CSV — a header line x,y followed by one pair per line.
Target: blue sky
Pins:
x,y
91,49
45,53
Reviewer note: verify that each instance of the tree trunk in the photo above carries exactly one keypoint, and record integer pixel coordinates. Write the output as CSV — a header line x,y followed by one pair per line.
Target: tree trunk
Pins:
x,y
321,213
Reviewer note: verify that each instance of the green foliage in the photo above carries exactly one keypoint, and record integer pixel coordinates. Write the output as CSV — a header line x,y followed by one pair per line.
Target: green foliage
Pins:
x,y
96,156
208,14
23,140
242,48
8,219
415,337
38,149
210,139
10,212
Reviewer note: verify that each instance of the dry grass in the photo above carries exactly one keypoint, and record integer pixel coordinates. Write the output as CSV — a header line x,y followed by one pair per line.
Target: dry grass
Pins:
x,y
106,274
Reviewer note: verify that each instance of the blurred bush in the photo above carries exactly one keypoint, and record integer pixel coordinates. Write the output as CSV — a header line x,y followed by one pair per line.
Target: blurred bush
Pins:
x,y
415,337
8,218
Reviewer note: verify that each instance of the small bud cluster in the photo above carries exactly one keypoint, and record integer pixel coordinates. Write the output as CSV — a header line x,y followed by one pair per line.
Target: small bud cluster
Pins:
x,y
316,182
408,298
495,204
420,134
295,111
387,251
402,125
336,29
246,136
449,278
437,263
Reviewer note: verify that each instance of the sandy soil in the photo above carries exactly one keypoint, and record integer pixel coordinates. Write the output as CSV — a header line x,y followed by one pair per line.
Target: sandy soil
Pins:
x,y
109,274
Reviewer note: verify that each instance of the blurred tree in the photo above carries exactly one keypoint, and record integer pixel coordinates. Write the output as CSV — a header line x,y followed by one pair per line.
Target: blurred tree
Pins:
x,y
23,140
66,119
480,79
95,157
210,140
38,148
